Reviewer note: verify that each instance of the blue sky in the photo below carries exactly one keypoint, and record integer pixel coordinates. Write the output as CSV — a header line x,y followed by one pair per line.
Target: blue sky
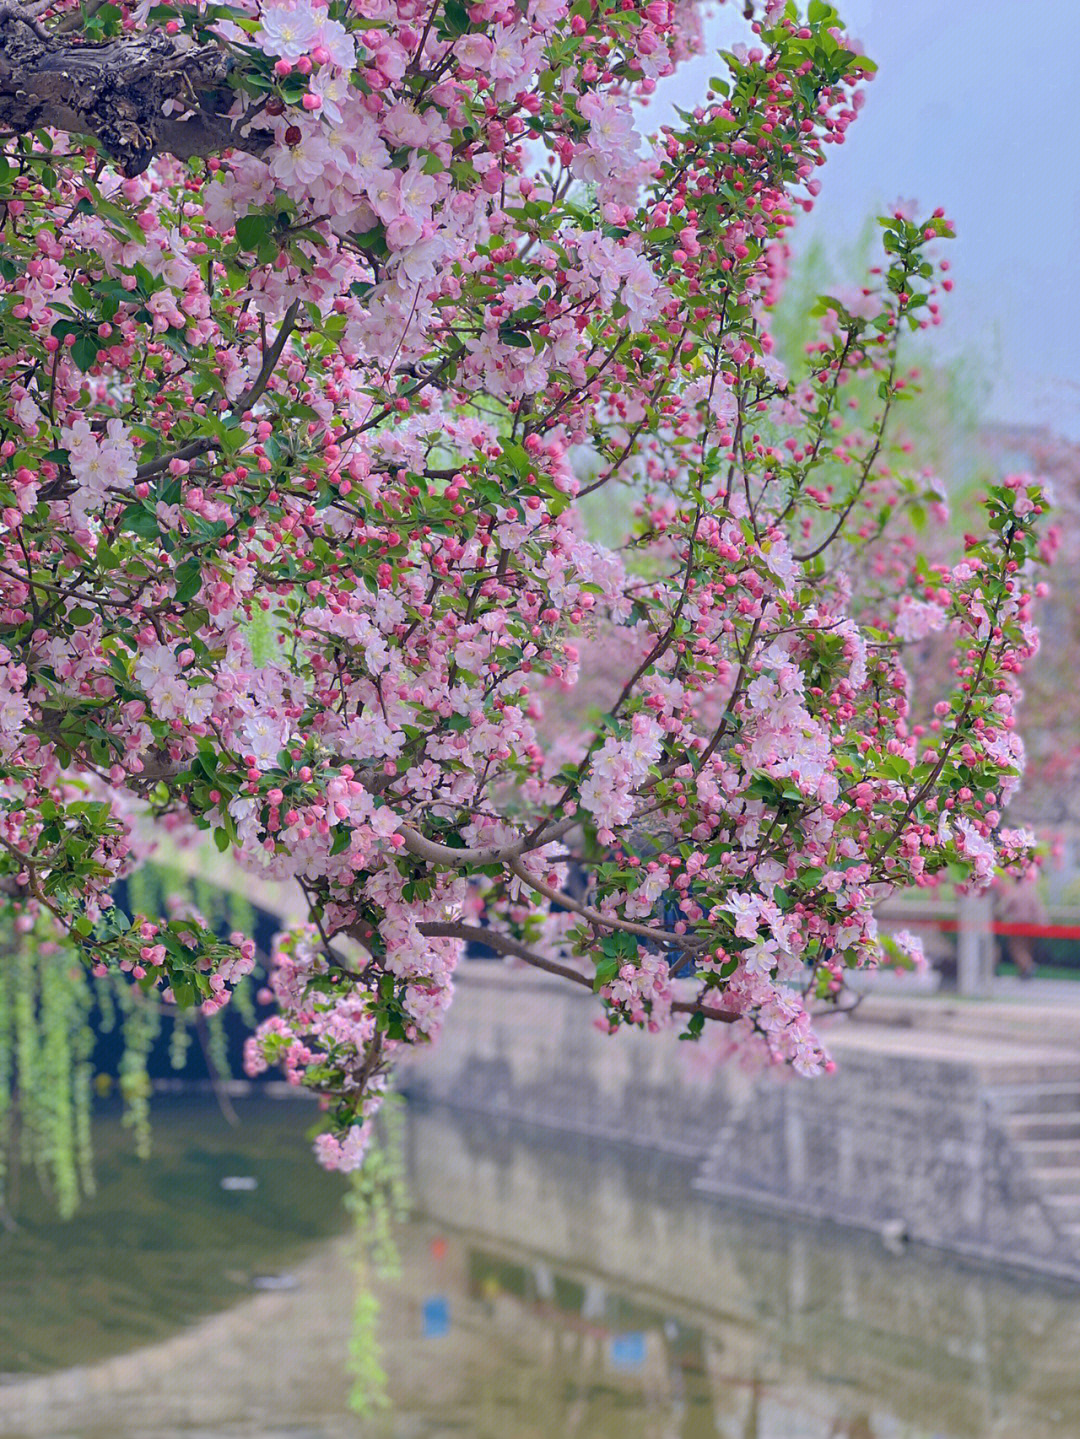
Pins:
x,y
974,108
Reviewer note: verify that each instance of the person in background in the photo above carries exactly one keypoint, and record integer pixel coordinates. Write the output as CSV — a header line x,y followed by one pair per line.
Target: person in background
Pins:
x,y
1019,902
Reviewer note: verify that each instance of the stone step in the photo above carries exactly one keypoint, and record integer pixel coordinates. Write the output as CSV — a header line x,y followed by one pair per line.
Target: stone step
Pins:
x,y
1038,1099
1063,1032
1064,1181
999,1064
1072,1235
994,1020
1059,1127
1065,1208
1043,1154
1010,1074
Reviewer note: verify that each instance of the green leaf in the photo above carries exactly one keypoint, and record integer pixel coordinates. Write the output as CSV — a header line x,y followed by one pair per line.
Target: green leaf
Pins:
x,y
84,351
251,230
185,992
126,221
694,1027
373,241
140,521
518,457
606,970
188,580
455,18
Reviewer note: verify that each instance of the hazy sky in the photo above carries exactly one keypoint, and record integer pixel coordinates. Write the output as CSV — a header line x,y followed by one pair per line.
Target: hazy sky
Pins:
x,y
974,108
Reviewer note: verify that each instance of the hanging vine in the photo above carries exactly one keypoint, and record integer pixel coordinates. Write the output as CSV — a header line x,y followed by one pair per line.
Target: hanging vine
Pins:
x,y
46,1045
377,1200
53,1013
7,1067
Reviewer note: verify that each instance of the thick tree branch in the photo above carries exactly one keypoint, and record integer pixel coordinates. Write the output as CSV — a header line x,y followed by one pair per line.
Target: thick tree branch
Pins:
x,y
698,1006
26,14
138,96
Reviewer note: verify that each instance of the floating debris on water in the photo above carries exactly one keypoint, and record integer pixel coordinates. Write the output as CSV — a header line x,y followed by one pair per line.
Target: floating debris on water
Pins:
x,y
275,1281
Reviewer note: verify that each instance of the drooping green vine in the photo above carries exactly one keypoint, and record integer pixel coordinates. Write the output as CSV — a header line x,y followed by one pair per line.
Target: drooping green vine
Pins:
x,y
377,1200
45,1067
27,1047
179,1045
7,1065
52,1013
142,1025
58,1003
82,1095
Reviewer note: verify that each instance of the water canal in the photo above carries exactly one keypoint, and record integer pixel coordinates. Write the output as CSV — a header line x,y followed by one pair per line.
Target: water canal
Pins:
x,y
546,1288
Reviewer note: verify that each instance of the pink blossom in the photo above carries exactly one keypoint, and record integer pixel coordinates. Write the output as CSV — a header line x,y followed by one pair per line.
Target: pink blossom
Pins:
x,y
288,30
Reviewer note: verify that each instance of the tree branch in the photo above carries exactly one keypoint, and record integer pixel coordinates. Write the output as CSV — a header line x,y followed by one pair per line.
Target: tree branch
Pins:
x,y
436,853
194,448
118,92
502,944
603,921
696,1006
27,14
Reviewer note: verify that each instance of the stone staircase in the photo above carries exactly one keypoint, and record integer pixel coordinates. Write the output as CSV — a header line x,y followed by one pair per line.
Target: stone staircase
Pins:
x,y
1018,1062
1042,1119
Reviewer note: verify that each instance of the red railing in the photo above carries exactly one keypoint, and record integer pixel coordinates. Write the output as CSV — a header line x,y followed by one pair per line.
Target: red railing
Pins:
x,y
997,926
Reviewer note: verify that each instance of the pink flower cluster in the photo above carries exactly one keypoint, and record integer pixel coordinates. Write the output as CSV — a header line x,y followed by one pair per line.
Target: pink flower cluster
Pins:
x,y
309,453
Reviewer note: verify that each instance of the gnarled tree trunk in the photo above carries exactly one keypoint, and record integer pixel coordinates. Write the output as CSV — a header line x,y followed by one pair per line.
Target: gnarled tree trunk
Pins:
x,y
119,92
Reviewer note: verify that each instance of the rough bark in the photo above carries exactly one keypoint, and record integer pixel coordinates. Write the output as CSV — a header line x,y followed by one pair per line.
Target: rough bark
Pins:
x,y
116,92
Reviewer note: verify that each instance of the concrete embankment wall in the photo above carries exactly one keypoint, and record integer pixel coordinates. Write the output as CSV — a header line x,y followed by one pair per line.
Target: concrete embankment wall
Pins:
x,y
908,1136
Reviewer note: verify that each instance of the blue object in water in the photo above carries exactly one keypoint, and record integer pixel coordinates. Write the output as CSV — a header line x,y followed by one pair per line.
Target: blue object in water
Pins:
x,y
628,1350
436,1317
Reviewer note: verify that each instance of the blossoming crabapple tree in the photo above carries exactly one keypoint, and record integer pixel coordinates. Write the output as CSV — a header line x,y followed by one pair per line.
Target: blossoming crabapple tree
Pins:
x,y
1051,707
321,325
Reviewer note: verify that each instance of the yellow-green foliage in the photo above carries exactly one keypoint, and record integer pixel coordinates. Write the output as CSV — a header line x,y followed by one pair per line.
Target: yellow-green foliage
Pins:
x,y
377,1200
45,1077
50,1010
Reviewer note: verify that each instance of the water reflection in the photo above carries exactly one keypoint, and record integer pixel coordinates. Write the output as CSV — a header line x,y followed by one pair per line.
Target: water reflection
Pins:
x,y
550,1288
744,1324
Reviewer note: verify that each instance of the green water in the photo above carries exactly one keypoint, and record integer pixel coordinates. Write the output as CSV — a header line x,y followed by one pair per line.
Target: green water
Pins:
x,y
161,1244
547,1287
